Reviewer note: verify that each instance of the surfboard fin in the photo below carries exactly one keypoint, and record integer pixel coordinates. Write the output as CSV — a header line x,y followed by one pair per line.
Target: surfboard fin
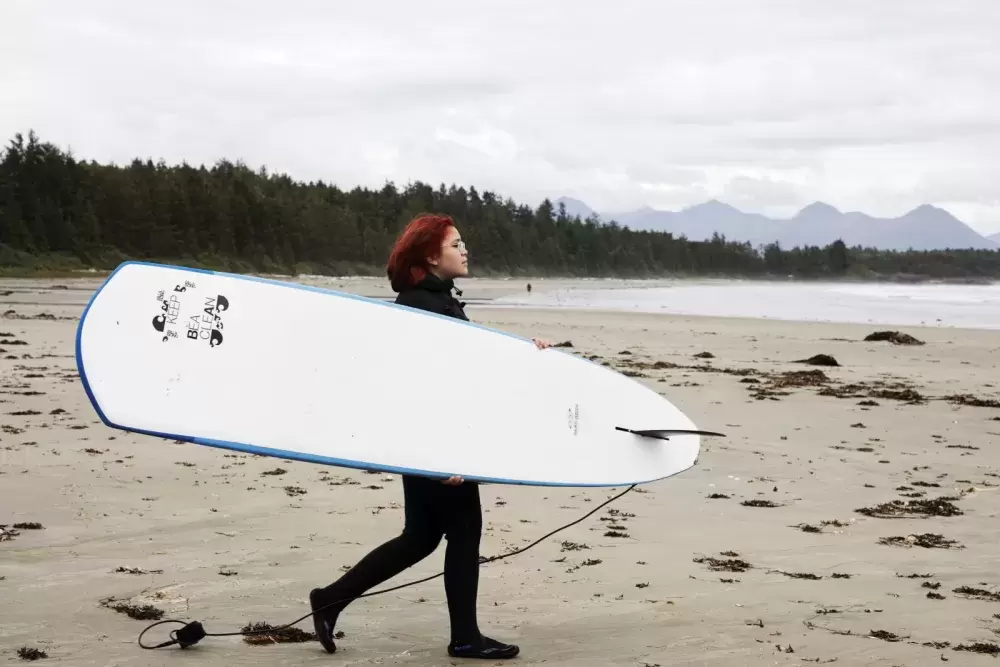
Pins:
x,y
665,433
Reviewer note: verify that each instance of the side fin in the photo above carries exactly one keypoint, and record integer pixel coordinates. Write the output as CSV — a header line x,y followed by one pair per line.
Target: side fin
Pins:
x,y
665,433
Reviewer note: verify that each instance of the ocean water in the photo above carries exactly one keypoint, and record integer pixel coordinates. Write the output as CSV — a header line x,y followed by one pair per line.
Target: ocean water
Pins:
x,y
937,305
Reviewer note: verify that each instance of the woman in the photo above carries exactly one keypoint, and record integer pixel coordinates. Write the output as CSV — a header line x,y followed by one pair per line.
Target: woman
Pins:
x,y
422,266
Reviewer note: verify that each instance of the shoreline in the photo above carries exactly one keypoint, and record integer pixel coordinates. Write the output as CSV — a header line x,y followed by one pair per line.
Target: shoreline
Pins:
x,y
870,327
483,293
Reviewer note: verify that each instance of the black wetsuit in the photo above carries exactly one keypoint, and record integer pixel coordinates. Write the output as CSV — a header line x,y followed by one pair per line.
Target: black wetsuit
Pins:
x,y
432,510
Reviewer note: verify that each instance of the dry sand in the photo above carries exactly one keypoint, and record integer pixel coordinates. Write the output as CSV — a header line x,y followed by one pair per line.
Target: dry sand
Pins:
x,y
216,539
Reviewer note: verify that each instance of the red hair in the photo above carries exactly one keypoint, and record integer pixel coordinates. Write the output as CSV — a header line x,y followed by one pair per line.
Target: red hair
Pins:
x,y
422,238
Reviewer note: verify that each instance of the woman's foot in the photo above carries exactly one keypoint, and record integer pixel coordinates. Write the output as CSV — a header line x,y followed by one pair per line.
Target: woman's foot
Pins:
x,y
484,647
324,621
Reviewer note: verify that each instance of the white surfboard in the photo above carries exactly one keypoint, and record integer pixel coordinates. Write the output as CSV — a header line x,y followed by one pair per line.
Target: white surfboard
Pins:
x,y
303,373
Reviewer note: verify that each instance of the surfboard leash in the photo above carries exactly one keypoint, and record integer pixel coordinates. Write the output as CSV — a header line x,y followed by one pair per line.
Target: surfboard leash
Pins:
x,y
192,632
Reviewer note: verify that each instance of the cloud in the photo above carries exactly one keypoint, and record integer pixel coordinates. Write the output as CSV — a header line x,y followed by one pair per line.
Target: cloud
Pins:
x,y
767,105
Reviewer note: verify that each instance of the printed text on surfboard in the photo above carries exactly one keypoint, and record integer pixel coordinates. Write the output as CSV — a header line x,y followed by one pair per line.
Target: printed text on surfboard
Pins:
x,y
574,418
203,324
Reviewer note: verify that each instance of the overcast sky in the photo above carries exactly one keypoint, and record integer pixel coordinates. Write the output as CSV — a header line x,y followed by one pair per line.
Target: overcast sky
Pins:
x,y
874,105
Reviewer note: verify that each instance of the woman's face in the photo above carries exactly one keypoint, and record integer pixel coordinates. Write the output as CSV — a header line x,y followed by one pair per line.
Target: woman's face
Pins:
x,y
453,261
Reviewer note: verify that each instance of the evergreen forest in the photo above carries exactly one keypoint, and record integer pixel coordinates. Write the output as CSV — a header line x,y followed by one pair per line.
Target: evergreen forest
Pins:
x,y
60,213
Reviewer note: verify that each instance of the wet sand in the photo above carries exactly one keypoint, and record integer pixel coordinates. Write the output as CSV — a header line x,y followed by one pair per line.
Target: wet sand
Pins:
x,y
758,556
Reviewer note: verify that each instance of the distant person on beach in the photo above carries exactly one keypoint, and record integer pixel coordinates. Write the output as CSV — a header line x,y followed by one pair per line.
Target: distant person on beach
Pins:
x,y
422,266
529,288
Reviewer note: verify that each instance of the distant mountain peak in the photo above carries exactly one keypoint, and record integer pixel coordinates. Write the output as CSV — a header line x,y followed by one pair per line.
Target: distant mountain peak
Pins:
x,y
817,209
928,214
926,208
712,205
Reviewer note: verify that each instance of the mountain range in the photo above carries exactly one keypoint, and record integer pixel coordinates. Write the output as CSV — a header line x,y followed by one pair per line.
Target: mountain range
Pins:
x,y
924,228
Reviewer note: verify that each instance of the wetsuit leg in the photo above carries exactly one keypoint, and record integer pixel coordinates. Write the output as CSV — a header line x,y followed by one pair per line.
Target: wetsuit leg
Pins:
x,y
462,520
420,537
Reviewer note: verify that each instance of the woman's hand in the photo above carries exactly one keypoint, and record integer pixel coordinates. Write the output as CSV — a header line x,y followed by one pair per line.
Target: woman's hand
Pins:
x,y
541,344
455,480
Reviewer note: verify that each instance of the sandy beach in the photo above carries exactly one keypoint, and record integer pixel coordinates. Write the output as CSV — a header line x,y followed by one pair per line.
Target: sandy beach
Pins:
x,y
849,516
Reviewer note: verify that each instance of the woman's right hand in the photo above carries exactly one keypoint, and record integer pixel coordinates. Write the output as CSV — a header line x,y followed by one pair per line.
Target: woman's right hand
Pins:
x,y
453,481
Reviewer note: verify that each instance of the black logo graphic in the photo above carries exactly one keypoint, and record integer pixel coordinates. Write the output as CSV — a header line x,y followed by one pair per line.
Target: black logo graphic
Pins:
x,y
208,324
165,322
205,325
